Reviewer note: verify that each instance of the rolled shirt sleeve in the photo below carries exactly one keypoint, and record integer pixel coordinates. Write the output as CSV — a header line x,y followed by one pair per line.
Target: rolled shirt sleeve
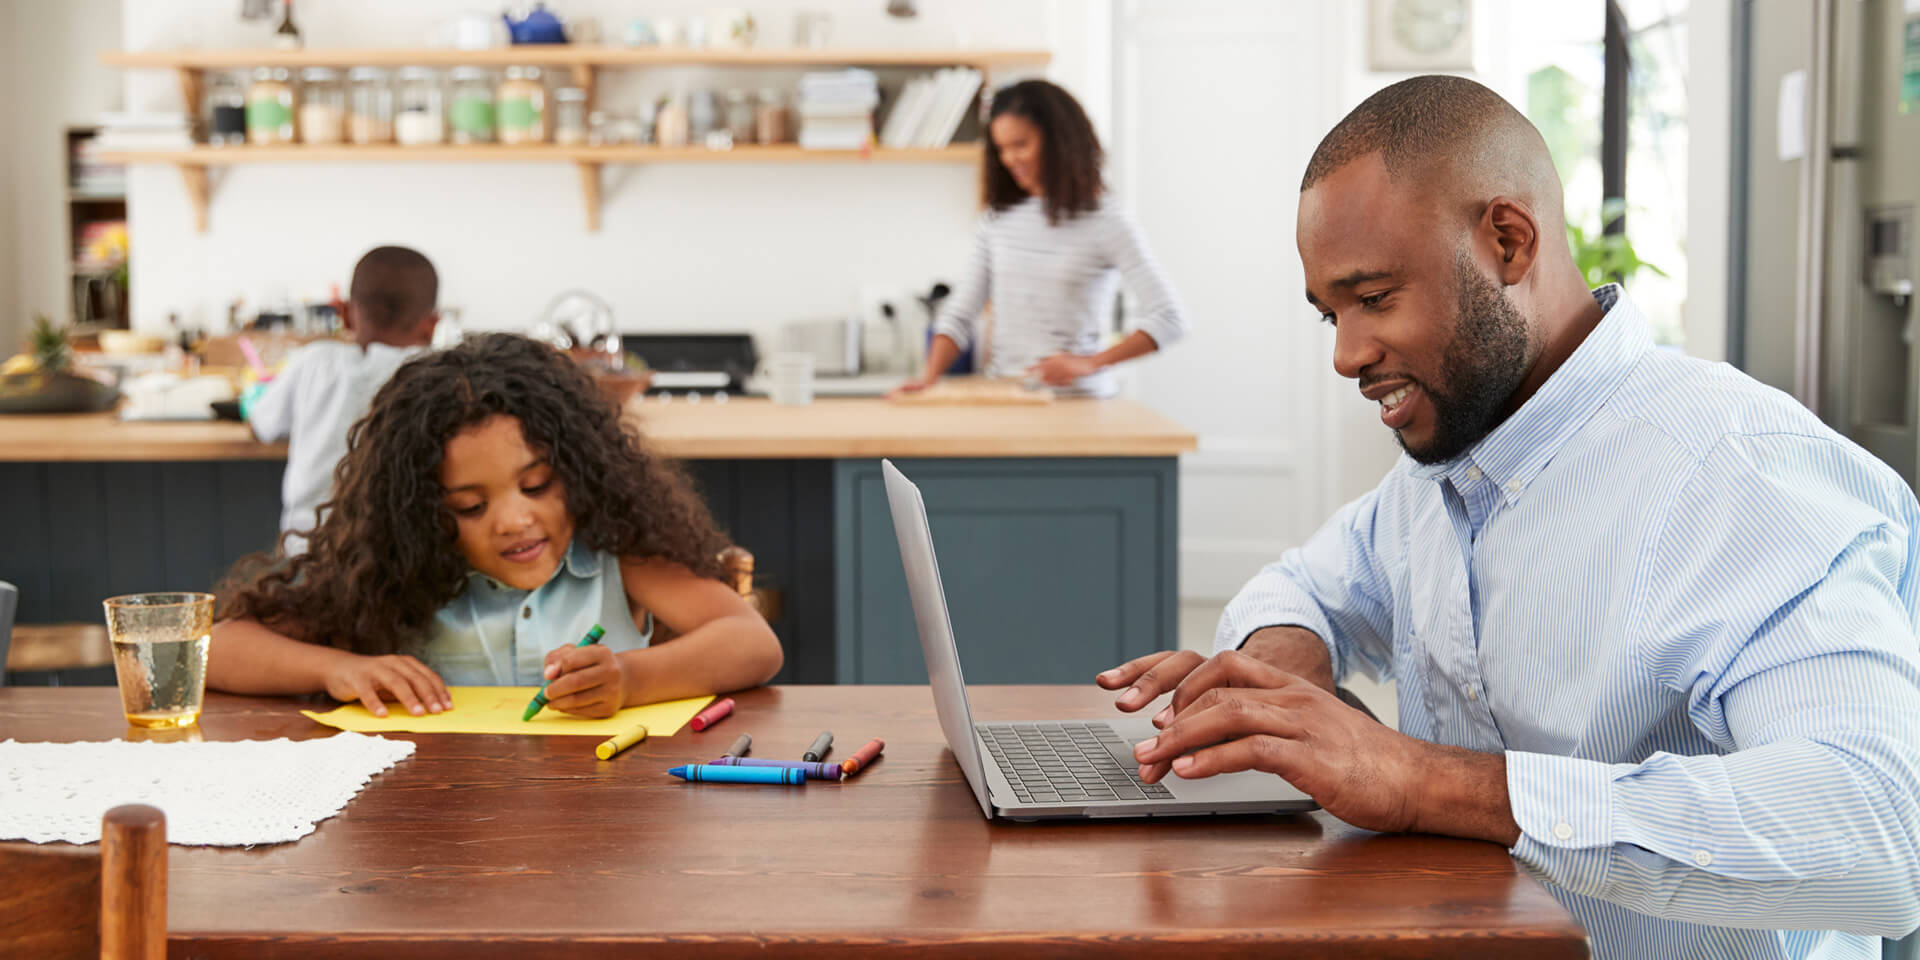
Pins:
x,y
1809,820
1335,585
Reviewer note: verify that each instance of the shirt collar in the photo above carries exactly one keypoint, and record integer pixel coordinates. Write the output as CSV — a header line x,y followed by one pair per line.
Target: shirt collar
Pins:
x,y
1522,445
582,562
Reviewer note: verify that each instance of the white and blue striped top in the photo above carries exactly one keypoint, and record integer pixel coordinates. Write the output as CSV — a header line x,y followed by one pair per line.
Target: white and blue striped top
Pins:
x,y
1052,289
1685,610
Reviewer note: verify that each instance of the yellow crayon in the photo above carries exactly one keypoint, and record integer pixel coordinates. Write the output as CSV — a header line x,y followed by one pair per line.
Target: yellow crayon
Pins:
x,y
606,750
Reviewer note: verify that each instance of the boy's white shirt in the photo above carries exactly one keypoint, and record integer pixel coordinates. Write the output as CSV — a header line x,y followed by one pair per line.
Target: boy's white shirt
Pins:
x,y
322,391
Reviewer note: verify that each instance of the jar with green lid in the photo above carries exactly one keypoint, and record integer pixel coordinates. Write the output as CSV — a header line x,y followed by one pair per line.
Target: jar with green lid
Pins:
x,y
471,113
270,104
522,107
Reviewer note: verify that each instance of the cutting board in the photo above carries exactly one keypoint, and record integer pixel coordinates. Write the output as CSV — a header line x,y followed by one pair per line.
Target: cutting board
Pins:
x,y
978,392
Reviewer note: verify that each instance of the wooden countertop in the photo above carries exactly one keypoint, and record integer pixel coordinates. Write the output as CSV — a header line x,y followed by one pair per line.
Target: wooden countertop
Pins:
x,y
742,428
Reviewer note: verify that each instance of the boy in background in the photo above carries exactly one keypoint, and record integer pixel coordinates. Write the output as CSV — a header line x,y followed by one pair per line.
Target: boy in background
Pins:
x,y
326,386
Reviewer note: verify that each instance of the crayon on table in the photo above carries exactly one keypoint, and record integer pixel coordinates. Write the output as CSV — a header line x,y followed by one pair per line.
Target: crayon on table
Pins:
x,y
741,744
695,773
712,714
814,771
863,756
540,699
621,741
818,751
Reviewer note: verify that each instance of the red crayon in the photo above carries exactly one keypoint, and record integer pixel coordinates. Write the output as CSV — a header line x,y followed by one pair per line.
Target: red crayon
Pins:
x,y
712,714
863,756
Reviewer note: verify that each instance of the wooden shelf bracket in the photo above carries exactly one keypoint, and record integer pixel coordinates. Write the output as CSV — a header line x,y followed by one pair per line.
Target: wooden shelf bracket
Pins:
x,y
590,193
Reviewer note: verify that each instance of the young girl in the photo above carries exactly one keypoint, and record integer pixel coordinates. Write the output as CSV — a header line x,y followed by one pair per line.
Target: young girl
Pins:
x,y
492,508
1048,256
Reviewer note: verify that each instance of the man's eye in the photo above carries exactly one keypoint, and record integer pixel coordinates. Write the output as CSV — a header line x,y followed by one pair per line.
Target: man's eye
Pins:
x,y
1372,300
1329,320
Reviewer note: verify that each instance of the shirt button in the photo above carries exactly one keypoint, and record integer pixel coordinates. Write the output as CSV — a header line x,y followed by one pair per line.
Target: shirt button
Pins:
x,y
1472,694
526,613
1514,486
1563,830
1703,858
1473,473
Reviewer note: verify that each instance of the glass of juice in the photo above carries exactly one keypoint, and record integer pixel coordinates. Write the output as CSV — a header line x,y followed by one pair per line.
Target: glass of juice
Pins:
x,y
160,655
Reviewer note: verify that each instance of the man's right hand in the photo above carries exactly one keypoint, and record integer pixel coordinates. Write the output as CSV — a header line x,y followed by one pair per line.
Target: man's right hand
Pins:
x,y
911,386
373,680
1188,674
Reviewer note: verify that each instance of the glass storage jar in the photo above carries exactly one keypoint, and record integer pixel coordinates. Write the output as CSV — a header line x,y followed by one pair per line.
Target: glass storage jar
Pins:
x,y
270,102
417,118
570,116
370,106
323,106
226,110
471,113
522,106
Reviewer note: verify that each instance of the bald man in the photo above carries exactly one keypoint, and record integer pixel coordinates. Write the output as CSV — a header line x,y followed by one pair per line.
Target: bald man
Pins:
x,y
1653,624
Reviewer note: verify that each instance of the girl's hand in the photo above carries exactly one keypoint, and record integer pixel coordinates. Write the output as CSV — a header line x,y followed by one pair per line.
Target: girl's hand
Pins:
x,y
1062,369
371,680
587,681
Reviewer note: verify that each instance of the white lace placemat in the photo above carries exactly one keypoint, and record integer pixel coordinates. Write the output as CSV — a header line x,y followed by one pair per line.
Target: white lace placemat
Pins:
x,y
235,793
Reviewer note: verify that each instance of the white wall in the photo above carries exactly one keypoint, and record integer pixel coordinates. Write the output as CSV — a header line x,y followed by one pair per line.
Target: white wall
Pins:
x,y
681,247
1219,106
53,73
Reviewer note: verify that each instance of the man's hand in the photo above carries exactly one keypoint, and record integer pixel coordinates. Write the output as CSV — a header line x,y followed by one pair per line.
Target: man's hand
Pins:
x,y
1290,649
1258,717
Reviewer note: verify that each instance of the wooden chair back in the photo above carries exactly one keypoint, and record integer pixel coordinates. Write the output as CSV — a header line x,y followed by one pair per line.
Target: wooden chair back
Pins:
x,y
108,901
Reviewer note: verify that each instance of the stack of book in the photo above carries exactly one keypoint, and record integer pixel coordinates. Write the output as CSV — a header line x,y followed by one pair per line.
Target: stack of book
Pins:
x,y
144,131
836,110
930,109
92,176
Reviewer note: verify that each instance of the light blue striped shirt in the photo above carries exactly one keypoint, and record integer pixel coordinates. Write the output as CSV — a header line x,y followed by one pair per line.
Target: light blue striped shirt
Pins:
x,y
1686,611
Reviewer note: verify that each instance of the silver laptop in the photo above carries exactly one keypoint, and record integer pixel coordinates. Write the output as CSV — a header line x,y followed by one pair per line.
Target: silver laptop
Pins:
x,y
1069,769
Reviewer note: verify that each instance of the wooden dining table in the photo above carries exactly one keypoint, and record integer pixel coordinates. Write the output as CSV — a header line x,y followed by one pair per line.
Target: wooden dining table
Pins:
x,y
484,846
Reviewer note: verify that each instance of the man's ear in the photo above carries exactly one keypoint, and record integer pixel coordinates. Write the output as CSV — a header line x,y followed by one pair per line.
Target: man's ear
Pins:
x,y
1509,228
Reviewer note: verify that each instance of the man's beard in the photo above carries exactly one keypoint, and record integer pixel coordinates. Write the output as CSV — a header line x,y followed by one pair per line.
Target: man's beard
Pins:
x,y
1481,368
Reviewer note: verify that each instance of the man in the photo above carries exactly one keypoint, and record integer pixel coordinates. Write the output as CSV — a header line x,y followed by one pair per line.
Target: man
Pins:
x,y
327,385
1653,624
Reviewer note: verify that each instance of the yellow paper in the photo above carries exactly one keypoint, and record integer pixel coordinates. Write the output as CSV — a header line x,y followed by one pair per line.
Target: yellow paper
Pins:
x,y
498,710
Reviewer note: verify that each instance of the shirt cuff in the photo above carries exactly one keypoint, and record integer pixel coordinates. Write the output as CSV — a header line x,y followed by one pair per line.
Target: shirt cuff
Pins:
x,y
1565,808
1165,328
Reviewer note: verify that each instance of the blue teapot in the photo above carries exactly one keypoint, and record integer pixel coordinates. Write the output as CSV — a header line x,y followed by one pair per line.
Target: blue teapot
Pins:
x,y
539,26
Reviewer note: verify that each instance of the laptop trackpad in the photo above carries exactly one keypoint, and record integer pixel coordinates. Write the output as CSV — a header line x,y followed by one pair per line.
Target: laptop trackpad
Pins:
x,y
1244,785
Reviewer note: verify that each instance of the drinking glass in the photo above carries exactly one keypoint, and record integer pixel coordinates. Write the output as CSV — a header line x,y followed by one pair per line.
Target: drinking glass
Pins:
x,y
160,655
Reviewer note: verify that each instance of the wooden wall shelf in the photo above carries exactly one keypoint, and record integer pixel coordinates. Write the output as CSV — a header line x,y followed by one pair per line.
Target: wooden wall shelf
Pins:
x,y
194,162
571,55
582,61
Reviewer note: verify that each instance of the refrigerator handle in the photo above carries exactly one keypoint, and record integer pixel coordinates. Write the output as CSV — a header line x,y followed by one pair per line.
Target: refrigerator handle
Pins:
x,y
1810,306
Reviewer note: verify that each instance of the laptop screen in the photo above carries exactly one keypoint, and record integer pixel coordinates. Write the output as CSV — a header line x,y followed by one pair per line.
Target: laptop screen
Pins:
x,y
936,629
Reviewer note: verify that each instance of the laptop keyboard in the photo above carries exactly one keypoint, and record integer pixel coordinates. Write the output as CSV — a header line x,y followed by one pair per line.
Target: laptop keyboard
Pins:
x,y
1065,763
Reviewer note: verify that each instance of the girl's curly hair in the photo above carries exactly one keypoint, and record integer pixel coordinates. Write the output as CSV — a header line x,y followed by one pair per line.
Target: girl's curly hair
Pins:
x,y
384,558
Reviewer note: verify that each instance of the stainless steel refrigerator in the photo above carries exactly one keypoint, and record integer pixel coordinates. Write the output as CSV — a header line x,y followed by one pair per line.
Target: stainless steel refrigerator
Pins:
x,y
1823,299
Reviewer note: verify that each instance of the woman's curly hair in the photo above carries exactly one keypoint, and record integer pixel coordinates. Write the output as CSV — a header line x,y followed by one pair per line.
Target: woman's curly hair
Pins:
x,y
1070,152
384,557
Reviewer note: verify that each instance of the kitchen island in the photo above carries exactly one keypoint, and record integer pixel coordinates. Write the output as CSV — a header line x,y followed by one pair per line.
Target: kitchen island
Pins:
x,y
1057,524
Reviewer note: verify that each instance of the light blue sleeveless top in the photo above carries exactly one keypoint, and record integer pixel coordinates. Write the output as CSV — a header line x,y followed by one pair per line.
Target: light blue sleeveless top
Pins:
x,y
493,635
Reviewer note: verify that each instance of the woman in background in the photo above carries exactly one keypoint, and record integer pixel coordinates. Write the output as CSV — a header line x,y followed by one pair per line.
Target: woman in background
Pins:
x,y
1048,255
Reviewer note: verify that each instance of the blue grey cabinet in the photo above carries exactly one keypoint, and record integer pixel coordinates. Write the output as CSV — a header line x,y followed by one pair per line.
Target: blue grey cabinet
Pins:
x,y
1055,569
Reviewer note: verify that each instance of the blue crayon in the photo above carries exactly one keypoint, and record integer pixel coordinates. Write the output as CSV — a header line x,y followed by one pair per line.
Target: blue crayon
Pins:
x,y
814,771
730,774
